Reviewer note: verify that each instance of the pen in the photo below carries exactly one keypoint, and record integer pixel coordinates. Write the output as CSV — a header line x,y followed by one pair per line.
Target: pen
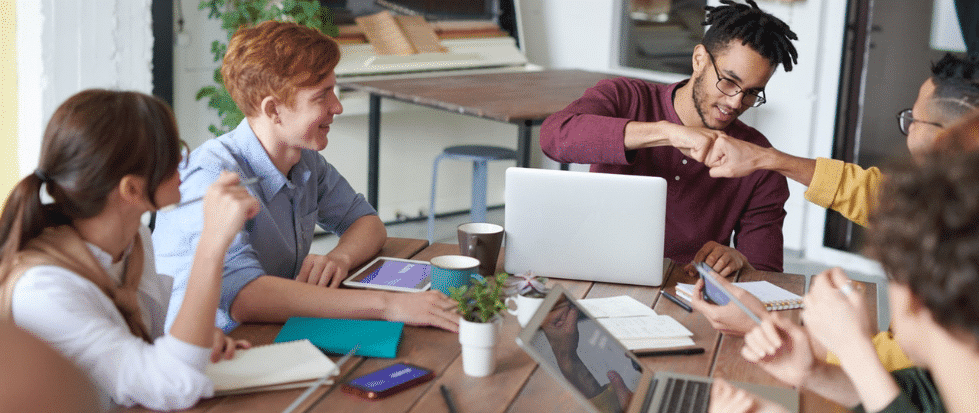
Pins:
x,y
676,301
673,352
171,207
448,399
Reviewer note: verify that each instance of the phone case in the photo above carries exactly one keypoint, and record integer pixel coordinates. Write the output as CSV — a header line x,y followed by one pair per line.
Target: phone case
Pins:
x,y
374,394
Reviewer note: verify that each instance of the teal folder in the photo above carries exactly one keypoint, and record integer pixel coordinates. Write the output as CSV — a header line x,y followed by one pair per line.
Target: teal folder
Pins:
x,y
376,338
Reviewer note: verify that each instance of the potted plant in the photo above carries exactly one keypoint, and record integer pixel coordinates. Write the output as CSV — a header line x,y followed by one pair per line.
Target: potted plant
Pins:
x,y
527,291
479,307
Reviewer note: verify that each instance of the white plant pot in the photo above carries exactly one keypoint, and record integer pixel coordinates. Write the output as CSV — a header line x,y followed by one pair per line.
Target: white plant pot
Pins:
x,y
478,343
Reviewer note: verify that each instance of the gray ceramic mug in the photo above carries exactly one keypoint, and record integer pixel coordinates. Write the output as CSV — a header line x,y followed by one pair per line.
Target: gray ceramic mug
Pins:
x,y
481,241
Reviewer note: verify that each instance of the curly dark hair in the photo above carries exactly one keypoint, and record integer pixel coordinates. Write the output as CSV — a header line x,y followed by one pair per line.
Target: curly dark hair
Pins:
x,y
925,230
766,34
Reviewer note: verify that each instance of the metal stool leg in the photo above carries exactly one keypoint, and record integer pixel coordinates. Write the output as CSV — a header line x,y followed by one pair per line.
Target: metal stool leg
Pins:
x,y
477,212
431,202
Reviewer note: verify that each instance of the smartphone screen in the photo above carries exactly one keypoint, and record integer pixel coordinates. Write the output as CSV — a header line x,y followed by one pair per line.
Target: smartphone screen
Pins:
x,y
712,291
388,380
716,293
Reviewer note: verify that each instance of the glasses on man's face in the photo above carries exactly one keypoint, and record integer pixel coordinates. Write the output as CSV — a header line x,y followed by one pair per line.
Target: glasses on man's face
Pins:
x,y
753,98
904,121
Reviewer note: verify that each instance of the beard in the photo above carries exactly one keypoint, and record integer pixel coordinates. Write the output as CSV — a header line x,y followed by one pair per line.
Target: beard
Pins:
x,y
700,104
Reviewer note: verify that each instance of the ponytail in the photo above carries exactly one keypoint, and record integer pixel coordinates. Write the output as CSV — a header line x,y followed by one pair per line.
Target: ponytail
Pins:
x,y
25,216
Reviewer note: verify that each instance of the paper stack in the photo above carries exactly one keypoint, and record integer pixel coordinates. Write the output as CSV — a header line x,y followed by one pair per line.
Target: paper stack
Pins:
x,y
635,324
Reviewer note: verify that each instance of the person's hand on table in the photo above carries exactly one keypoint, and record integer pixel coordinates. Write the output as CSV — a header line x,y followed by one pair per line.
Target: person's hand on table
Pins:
x,y
727,398
781,348
223,347
428,308
729,318
725,260
835,313
324,270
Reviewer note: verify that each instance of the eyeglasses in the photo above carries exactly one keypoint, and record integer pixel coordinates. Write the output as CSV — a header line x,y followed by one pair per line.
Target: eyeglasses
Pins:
x,y
753,98
904,121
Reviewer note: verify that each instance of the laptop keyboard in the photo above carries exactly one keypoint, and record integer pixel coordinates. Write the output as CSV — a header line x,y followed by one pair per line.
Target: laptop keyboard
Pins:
x,y
684,396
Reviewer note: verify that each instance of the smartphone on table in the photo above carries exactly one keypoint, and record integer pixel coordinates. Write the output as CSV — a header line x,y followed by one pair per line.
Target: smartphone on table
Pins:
x,y
715,293
389,380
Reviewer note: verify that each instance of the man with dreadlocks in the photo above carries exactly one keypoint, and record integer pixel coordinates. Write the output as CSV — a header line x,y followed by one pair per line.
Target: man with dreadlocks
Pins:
x,y
630,126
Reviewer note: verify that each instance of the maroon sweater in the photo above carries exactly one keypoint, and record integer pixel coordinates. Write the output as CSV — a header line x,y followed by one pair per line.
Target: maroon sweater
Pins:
x,y
591,130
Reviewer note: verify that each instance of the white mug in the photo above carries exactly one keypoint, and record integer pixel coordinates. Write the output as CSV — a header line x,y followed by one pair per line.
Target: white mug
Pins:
x,y
526,307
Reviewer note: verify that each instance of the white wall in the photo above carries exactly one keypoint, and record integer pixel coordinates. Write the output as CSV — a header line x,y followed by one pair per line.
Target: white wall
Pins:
x,y
67,46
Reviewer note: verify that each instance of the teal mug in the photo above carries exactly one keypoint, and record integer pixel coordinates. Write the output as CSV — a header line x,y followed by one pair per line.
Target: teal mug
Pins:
x,y
453,271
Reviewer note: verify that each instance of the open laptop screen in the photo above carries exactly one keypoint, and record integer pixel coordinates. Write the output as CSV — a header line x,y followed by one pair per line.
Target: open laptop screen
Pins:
x,y
572,344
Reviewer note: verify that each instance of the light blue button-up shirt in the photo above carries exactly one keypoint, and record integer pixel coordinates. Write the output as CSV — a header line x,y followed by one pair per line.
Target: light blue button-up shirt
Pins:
x,y
277,240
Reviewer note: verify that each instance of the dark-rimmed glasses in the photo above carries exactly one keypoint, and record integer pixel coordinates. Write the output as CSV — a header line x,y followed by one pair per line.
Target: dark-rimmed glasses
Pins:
x,y
904,121
753,98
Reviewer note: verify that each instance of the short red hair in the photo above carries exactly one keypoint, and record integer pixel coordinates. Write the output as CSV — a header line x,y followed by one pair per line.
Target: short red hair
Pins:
x,y
275,58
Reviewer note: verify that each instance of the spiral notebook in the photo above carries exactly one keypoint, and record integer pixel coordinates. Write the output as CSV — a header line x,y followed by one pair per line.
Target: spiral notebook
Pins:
x,y
774,297
270,367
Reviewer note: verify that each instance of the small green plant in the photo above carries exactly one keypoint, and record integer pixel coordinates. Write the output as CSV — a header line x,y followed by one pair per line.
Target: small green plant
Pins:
x,y
482,300
527,284
237,13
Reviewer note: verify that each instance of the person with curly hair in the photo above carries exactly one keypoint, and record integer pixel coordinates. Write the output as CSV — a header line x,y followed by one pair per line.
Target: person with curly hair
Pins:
x,y
924,233
633,127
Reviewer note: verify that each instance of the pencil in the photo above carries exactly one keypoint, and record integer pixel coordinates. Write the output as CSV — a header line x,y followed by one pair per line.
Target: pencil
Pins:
x,y
677,301
171,207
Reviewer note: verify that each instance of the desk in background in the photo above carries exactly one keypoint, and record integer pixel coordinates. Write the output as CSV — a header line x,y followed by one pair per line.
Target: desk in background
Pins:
x,y
516,385
524,99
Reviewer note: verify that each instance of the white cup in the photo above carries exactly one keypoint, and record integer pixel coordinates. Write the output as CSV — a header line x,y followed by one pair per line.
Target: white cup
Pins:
x,y
526,307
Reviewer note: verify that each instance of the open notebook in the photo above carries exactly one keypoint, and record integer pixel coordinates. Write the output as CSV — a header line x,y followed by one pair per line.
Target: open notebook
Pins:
x,y
272,367
774,297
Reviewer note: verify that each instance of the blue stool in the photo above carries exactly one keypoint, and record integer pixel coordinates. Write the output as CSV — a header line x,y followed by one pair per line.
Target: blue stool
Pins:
x,y
479,155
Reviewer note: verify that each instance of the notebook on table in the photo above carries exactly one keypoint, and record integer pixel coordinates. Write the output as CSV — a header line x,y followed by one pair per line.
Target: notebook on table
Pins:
x,y
773,296
585,225
272,367
376,338
554,325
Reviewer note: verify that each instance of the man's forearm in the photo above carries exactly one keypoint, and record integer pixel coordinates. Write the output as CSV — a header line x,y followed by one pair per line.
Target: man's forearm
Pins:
x,y
646,135
271,299
795,168
362,240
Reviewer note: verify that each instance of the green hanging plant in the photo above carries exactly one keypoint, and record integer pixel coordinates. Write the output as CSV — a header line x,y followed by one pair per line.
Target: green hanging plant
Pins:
x,y
236,13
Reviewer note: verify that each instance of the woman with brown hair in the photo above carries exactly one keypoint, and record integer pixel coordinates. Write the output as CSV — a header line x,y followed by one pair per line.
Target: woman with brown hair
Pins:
x,y
78,272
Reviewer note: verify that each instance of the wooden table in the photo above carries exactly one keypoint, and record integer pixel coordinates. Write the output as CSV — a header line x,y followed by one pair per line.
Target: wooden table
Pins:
x,y
521,98
517,385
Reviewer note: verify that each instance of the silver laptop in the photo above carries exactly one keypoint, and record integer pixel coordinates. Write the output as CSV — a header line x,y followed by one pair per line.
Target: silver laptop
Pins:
x,y
561,330
586,226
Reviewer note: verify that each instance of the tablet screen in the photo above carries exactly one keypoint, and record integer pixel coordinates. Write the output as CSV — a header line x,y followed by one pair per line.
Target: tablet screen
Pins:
x,y
393,273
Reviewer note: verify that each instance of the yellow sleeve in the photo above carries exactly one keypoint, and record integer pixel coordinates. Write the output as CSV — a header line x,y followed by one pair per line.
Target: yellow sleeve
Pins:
x,y
889,353
844,187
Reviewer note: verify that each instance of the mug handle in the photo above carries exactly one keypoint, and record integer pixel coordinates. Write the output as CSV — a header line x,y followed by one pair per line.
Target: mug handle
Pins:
x,y
514,311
